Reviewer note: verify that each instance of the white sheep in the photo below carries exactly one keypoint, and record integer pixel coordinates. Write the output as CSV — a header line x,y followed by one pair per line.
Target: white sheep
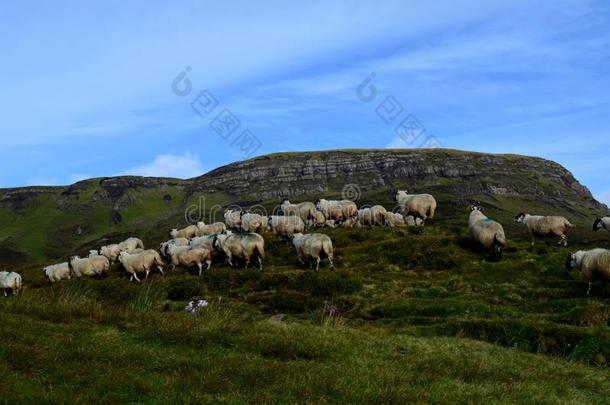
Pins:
x,y
131,244
593,264
10,281
332,209
285,226
372,216
172,253
602,223
140,262
419,205
246,246
543,226
209,229
188,232
111,252
58,272
89,266
312,247
319,219
177,242
251,222
195,256
306,210
487,232
233,219
395,220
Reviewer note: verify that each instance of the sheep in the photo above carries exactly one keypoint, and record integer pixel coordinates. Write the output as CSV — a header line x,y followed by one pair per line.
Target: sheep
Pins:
x,y
395,220
541,226
351,223
177,242
245,246
285,226
602,223
111,252
372,216
233,219
593,264
252,222
131,244
319,219
410,220
312,246
90,266
350,210
195,255
365,216
332,210
419,205
189,232
93,253
140,262
57,272
209,229
10,281
306,210
172,253
487,232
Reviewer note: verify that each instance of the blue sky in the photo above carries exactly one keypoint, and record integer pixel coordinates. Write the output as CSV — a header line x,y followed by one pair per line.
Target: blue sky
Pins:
x,y
87,89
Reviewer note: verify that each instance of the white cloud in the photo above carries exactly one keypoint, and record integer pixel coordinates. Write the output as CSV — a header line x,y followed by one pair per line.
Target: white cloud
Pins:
x,y
177,166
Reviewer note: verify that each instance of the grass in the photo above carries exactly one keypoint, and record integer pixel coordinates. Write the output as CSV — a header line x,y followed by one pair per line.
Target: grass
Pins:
x,y
409,315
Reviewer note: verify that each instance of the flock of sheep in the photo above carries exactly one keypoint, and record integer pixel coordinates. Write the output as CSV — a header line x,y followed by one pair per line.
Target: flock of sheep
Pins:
x,y
238,238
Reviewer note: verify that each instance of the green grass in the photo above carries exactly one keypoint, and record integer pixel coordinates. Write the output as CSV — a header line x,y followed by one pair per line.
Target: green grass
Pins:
x,y
409,315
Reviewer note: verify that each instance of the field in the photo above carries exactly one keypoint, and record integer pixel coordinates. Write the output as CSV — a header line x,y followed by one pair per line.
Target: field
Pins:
x,y
409,315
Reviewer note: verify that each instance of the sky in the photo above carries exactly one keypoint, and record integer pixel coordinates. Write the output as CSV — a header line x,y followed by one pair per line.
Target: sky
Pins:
x,y
158,89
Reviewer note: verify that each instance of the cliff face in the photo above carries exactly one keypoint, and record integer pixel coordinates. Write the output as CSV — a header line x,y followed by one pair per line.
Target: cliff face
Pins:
x,y
462,174
41,222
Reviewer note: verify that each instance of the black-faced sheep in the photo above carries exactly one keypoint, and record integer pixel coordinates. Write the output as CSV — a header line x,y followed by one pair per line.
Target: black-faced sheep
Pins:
x,y
419,205
10,281
487,232
593,264
602,223
313,247
545,226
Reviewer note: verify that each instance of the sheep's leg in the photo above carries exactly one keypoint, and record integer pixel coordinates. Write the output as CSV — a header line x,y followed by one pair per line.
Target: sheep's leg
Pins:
x,y
5,294
136,277
247,262
209,263
330,260
147,271
200,265
317,263
131,278
260,263
589,289
161,270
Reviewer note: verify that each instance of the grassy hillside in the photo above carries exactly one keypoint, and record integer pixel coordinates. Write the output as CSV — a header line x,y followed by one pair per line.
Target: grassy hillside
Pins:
x,y
410,315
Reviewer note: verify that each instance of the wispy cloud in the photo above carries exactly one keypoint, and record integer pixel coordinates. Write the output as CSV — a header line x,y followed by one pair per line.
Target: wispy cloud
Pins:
x,y
177,166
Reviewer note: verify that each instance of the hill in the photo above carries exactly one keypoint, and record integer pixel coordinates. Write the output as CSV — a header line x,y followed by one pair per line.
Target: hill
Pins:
x,y
410,315
43,223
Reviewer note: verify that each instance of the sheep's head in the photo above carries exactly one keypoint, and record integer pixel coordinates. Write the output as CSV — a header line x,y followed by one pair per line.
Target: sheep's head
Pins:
x,y
597,225
173,233
476,207
519,218
200,224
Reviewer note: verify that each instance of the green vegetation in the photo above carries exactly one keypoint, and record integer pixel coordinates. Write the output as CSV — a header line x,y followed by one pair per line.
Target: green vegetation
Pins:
x,y
410,315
